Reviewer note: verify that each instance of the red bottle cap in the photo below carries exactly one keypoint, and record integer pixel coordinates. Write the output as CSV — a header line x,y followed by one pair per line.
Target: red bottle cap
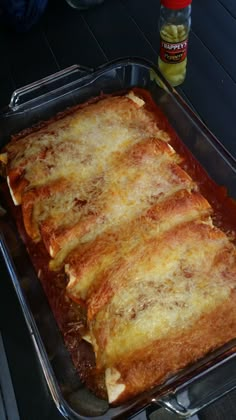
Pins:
x,y
176,4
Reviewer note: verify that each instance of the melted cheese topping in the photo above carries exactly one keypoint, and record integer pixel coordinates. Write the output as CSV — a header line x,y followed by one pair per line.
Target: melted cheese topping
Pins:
x,y
66,200
106,194
127,190
85,139
167,284
121,241
65,214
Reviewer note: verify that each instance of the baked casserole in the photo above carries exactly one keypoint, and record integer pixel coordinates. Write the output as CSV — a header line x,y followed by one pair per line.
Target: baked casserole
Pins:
x,y
110,194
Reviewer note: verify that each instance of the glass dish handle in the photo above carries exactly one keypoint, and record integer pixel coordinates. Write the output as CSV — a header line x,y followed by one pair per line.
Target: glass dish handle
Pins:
x,y
57,83
202,390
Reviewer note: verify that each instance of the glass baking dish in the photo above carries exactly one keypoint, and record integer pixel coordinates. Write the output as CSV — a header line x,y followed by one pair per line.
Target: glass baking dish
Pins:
x,y
191,389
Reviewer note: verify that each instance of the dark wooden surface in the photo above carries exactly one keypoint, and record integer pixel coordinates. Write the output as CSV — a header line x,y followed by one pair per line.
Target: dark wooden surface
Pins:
x,y
118,28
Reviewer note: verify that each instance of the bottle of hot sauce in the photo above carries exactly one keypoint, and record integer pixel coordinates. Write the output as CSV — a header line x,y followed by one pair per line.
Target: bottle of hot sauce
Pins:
x,y
174,25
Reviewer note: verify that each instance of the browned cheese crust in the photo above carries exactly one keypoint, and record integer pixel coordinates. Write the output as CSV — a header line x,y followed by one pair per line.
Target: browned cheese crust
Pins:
x,y
153,364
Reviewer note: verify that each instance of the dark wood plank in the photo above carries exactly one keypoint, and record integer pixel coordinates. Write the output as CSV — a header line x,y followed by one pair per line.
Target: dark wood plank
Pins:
x,y
7,395
230,5
117,32
69,37
7,86
28,56
207,81
146,15
6,80
216,28
211,91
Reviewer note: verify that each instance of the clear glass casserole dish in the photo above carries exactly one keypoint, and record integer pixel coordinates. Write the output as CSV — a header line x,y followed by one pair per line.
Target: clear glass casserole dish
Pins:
x,y
192,388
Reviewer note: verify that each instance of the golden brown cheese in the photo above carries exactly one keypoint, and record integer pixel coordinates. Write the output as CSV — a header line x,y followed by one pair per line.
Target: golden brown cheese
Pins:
x,y
62,200
65,215
86,138
156,362
167,285
85,265
139,180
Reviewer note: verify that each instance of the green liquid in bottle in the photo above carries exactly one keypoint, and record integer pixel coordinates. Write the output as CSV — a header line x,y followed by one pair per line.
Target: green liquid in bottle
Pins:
x,y
174,72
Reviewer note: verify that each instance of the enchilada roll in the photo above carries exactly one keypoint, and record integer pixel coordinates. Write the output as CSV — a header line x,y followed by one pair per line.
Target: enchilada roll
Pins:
x,y
65,212
150,303
85,265
143,175
85,137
